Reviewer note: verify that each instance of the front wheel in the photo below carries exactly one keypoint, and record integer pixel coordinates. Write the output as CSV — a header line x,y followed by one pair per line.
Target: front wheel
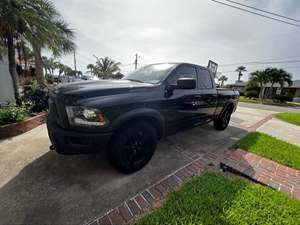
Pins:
x,y
133,147
222,122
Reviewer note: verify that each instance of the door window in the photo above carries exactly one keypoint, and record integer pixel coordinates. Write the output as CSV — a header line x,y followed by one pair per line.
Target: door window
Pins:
x,y
184,71
204,77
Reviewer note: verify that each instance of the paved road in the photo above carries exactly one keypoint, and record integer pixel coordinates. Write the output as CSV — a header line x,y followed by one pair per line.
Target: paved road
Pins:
x,y
38,186
269,107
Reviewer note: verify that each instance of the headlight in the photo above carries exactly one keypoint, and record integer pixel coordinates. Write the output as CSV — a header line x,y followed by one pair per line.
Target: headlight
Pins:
x,y
82,116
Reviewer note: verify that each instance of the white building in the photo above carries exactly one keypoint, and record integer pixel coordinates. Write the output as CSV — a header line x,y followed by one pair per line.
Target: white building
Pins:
x,y
6,85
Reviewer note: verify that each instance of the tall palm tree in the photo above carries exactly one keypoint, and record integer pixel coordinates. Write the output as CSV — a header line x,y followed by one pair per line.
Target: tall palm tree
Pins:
x,y
104,68
240,69
58,38
222,79
37,22
262,78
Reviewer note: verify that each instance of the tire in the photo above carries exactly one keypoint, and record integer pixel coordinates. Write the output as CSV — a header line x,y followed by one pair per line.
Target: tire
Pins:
x,y
133,147
222,122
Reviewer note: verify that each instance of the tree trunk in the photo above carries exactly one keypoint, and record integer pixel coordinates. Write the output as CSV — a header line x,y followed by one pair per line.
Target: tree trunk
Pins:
x,y
39,72
12,66
270,94
261,92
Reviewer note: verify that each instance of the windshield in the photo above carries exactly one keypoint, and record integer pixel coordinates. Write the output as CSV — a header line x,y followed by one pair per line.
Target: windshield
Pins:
x,y
152,74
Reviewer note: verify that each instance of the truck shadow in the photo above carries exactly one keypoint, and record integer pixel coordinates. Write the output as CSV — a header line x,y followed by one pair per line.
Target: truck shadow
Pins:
x,y
57,189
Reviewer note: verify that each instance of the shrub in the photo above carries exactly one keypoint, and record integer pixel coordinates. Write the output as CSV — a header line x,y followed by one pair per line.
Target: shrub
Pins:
x,y
36,96
49,79
13,113
283,98
251,94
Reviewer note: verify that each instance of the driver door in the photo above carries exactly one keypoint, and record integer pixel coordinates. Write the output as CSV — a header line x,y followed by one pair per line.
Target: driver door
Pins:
x,y
181,107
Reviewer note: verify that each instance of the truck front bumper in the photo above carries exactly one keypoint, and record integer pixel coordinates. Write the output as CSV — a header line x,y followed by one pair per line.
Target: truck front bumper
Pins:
x,y
74,142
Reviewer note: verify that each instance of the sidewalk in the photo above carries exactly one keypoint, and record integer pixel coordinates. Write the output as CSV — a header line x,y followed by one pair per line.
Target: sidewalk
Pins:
x,y
282,130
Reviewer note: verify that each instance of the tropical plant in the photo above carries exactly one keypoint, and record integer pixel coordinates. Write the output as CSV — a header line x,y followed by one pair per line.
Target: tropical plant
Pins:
x,y
49,65
58,38
118,76
104,68
279,76
64,69
36,96
240,69
251,94
222,79
37,22
262,78
13,113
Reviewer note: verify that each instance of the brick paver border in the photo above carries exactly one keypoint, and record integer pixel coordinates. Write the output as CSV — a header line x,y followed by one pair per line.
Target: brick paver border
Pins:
x,y
263,171
143,201
260,123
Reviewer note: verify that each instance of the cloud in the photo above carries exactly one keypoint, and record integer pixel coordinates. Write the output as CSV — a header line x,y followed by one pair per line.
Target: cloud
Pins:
x,y
177,30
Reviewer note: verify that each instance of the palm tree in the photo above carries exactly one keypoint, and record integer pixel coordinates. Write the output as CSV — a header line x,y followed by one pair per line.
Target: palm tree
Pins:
x,y
104,68
240,69
49,65
91,69
64,69
279,76
262,78
37,22
222,78
58,39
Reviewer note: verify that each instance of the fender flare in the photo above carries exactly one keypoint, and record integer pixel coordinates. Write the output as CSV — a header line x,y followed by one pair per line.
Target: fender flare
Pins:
x,y
140,113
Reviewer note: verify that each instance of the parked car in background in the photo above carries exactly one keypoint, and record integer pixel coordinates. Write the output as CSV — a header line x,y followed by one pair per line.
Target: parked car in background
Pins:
x,y
88,77
127,117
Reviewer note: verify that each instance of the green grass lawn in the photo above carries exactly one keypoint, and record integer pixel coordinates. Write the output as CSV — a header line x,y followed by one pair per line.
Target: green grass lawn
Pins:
x,y
271,148
269,102
215,199
293,118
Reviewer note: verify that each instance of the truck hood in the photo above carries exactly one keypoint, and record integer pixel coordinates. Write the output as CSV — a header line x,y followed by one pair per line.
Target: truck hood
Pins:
x,y
90,89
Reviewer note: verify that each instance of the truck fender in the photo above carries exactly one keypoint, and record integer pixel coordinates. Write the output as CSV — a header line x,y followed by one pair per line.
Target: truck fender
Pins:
x,y
153,116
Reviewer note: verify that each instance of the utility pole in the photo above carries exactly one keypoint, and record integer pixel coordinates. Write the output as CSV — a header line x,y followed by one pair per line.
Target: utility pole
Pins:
x,y
136,60
75,64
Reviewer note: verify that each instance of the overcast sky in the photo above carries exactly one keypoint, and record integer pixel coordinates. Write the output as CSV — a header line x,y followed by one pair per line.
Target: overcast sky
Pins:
x,y
181,30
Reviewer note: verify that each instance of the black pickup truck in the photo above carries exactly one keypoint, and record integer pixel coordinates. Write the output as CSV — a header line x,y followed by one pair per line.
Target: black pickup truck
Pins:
x,y
127,117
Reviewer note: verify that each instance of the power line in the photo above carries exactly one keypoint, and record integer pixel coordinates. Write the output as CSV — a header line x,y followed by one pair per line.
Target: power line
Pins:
x,y
260,63
286,67
258,14
261,10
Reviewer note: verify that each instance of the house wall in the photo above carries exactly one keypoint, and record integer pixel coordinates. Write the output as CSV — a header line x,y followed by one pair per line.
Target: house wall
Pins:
x,y
297,95
6,85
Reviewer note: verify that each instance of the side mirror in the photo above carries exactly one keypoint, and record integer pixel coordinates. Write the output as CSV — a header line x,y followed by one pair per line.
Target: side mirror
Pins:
x,y
186,83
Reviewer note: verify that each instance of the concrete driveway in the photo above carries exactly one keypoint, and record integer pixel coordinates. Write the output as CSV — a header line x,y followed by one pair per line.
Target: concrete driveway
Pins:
x,y
38,186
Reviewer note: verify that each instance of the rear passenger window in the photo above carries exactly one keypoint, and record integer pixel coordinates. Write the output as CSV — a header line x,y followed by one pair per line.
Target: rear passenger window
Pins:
x,y
184,71
204,79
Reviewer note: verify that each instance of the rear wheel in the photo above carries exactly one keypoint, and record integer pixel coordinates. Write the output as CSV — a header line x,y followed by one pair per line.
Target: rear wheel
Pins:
x,y
221,123
133,147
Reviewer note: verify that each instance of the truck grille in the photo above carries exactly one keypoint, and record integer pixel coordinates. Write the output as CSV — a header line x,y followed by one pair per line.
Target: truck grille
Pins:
x,y
57,111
